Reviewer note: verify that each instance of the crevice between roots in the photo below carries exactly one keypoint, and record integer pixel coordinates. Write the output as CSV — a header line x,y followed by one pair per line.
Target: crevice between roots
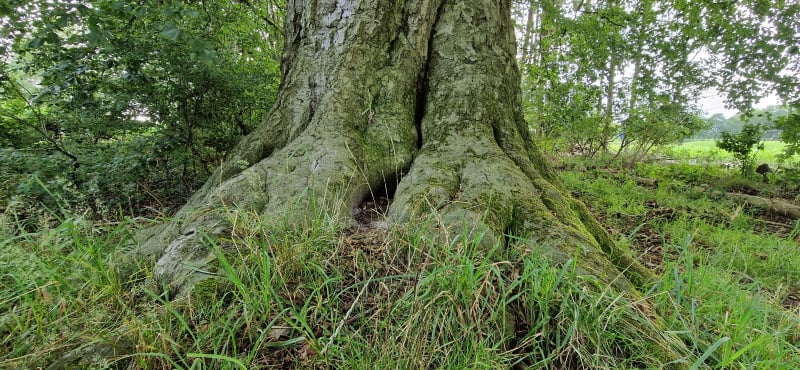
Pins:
x,y
370,211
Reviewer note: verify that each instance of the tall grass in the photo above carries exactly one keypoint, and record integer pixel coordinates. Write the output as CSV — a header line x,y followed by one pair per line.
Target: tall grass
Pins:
x,y
58,289
318,294
725,279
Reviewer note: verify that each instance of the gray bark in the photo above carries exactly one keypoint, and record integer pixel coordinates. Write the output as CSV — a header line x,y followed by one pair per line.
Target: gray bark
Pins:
x,y
424,92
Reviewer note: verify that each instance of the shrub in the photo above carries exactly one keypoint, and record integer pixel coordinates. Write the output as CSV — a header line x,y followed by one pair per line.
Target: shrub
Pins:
x,y
743,146
790,132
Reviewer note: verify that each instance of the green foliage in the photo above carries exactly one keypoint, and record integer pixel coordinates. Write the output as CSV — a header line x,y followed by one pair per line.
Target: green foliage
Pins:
x,y
667,124
14,114
132,104
755,47
790,131
599,71
572,120
743,145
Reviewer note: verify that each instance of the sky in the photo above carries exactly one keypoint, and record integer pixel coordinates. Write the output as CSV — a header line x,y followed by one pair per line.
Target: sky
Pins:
x,y
712,102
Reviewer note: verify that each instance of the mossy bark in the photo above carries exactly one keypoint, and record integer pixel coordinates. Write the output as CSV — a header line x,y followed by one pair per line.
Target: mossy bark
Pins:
x,y
344,122
424,91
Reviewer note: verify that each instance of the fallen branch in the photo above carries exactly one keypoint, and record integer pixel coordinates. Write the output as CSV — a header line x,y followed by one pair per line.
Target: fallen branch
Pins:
x,y
776,206
644,181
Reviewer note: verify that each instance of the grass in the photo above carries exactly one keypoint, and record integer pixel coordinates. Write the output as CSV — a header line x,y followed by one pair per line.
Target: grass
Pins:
x,y
708,151
57,289
725,277
319,295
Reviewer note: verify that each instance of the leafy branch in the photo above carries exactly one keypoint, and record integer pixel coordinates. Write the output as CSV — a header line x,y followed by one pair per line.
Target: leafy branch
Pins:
x,y
40,127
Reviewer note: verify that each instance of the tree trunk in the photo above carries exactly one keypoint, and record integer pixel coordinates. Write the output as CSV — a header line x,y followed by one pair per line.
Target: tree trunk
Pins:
x,y
424,94
638,55
527,37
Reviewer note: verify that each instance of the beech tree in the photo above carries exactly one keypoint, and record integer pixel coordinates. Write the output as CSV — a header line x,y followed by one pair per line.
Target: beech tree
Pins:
x,y
420,97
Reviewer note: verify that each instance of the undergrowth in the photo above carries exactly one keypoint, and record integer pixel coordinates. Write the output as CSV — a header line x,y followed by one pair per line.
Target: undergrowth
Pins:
x,y
324,295
730,274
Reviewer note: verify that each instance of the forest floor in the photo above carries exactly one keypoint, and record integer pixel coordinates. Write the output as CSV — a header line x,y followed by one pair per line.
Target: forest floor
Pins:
x,y
691,204
358,295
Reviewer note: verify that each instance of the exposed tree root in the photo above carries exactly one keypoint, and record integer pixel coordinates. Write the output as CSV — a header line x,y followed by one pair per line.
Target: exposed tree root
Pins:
x,y
424,92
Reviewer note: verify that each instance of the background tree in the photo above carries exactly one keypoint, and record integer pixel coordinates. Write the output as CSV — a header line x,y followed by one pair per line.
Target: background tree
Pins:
x,y
789,124
640,59
767,118
143,99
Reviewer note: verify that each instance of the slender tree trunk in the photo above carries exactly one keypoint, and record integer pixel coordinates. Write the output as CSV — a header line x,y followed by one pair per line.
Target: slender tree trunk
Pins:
x,y
641,34
527,52
424,93
610,90
611,76
544,45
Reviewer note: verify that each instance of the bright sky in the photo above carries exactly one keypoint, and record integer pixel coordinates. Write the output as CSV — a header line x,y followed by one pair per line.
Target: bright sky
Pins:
x,y
712,102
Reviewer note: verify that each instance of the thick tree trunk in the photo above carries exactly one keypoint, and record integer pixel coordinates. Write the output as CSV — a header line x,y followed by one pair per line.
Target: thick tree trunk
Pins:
x,y
345,122
421,92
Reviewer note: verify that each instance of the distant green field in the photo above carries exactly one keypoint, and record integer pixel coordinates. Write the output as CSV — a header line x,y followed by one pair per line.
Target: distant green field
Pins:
x,y
707,149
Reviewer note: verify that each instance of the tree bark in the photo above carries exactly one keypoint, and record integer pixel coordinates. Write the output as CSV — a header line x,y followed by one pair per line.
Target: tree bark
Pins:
x,y
422,93
638,56
774,206
527,37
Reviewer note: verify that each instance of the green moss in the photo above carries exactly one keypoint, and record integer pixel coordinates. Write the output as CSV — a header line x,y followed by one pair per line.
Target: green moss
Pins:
x,y
210,293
